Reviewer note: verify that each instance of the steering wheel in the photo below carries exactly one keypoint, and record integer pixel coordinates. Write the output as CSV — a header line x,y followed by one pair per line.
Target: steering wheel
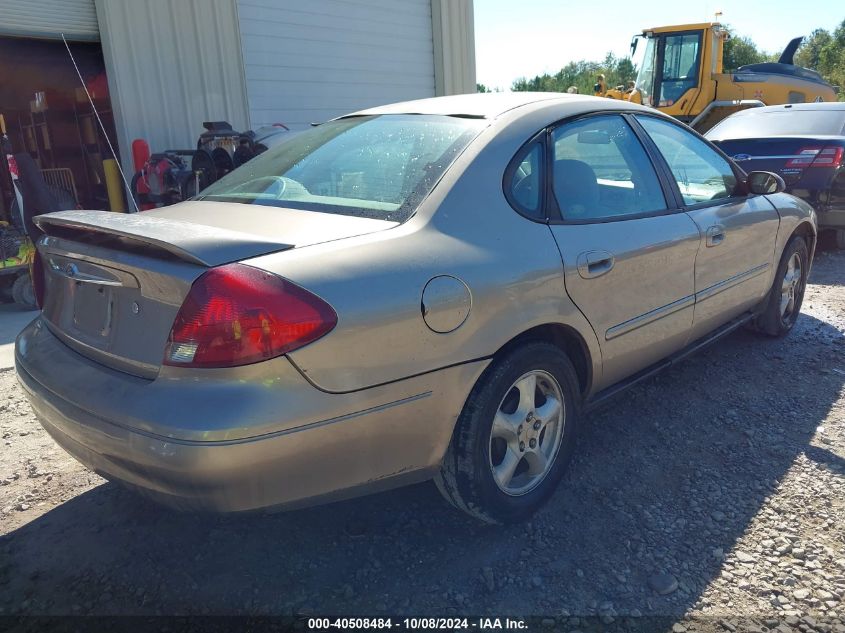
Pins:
x,y
275,186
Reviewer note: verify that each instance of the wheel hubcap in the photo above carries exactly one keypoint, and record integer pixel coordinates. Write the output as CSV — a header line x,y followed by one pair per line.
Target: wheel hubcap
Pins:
x,y
791,287
527,433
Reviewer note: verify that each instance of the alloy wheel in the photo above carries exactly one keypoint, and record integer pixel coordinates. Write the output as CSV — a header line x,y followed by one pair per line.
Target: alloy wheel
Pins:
x,y
527,432
792,287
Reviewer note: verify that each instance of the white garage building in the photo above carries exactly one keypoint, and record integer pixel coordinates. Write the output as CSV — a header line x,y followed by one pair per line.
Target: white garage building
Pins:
x,y
172,64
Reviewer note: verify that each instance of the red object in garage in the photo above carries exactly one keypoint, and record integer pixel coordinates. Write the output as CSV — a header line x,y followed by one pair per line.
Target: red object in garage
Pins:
x,y
140,156
140,153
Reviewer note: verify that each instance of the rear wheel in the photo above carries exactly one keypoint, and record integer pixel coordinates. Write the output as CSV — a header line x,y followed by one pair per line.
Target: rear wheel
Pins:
x,y
23,293
787,294
6,289
514,437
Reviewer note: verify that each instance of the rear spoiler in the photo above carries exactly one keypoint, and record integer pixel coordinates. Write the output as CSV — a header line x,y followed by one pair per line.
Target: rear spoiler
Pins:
x,y
188,241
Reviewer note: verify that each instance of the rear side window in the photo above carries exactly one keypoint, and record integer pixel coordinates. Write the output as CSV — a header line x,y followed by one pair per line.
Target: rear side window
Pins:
x,y
525,182
601,171
779,122
701,173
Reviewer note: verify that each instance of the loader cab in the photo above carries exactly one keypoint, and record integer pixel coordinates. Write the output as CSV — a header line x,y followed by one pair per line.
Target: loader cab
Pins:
x,y
673,63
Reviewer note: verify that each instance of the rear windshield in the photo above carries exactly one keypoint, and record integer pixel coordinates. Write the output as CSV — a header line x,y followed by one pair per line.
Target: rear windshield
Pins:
x,y
377,167
779,123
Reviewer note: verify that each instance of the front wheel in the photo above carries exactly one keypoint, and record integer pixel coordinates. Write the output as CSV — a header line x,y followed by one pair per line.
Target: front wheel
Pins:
x,y
787,294
514,437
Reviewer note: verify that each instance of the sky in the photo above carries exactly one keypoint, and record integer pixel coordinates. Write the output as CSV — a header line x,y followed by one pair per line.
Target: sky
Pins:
x,y
524,38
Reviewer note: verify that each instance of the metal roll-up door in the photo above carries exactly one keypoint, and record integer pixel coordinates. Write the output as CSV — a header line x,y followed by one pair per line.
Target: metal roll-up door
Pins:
x,y
310,62
77,19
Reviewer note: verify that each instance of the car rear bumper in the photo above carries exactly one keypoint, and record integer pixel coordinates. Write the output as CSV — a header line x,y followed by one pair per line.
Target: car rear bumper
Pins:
x,y
299,445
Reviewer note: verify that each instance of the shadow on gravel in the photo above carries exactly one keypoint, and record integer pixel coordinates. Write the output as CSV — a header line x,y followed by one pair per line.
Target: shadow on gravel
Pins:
x,y
665,475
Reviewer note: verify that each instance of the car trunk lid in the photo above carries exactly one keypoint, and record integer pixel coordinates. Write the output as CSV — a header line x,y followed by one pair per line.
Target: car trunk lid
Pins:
x,y
115,282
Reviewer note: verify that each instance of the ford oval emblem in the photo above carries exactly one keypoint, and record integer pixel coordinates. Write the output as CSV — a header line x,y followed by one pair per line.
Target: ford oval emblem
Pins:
x,y
741,157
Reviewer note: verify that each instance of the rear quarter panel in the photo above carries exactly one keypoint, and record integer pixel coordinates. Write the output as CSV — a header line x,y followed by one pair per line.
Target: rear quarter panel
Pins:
x,y
794,214
465,229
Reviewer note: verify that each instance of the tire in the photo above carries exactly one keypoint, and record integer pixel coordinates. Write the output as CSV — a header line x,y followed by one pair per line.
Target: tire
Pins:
x,y
203,162
839,238
783,306
6,290
23,293
478,446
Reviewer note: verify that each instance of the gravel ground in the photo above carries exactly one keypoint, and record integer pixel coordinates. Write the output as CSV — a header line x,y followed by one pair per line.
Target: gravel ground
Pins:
x,y
713,491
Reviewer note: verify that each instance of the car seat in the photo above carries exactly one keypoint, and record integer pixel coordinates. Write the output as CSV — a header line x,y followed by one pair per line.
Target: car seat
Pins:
x,y
576,189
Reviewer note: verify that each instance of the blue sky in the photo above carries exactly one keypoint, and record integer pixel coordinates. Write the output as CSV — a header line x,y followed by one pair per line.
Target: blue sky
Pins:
x,y
516,38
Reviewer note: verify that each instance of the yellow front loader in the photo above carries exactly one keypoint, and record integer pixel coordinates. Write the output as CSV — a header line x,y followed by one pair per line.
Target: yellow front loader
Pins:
x,y
693,87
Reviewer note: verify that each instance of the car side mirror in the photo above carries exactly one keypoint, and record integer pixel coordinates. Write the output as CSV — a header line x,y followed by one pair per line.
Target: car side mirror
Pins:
x,y
765,182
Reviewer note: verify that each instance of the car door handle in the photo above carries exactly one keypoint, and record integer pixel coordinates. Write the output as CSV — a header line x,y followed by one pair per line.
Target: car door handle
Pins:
x,y
715,235
592,264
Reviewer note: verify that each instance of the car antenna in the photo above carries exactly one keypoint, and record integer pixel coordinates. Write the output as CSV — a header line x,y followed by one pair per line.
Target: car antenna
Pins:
x,y
102,127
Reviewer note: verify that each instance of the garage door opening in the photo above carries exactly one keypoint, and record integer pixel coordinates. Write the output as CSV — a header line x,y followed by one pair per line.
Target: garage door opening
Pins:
x,y
48,116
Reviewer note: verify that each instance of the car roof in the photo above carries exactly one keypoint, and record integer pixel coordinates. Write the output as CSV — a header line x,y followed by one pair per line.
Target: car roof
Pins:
x,y
794,107
488,105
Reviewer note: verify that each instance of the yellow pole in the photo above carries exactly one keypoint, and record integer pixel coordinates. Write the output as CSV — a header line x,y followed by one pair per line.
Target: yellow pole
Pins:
x,y
114,186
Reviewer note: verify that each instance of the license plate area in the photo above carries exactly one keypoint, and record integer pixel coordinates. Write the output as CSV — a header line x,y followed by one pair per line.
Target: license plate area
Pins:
x,y
83,298
93,309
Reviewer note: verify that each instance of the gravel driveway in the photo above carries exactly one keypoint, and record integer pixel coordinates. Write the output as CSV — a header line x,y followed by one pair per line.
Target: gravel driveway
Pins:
x,y
712,491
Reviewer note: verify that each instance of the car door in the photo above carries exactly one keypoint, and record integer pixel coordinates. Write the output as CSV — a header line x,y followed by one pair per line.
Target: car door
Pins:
x,y
628,257
734,266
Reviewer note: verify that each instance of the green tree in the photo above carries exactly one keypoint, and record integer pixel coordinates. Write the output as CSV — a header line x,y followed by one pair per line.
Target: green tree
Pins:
x,y
832,59
740,51
582,75
626,70
824,52
482,88
809,53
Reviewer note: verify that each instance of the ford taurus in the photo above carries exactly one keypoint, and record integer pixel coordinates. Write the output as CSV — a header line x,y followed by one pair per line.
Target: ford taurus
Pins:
x,y
433,289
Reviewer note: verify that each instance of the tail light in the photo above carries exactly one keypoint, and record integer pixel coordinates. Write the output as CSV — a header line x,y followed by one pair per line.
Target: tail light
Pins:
x,y
828,157
237,315
38,279
817,157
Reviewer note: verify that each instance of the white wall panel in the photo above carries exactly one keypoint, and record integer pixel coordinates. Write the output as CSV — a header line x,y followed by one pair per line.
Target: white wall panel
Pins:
x,y
172,65
454,46
310,61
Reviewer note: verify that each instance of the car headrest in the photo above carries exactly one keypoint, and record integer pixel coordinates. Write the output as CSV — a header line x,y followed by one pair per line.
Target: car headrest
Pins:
x,y
576,187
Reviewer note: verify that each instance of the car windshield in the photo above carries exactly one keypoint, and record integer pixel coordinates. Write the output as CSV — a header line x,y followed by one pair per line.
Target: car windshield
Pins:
x,y
645,78
370,166
780,123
